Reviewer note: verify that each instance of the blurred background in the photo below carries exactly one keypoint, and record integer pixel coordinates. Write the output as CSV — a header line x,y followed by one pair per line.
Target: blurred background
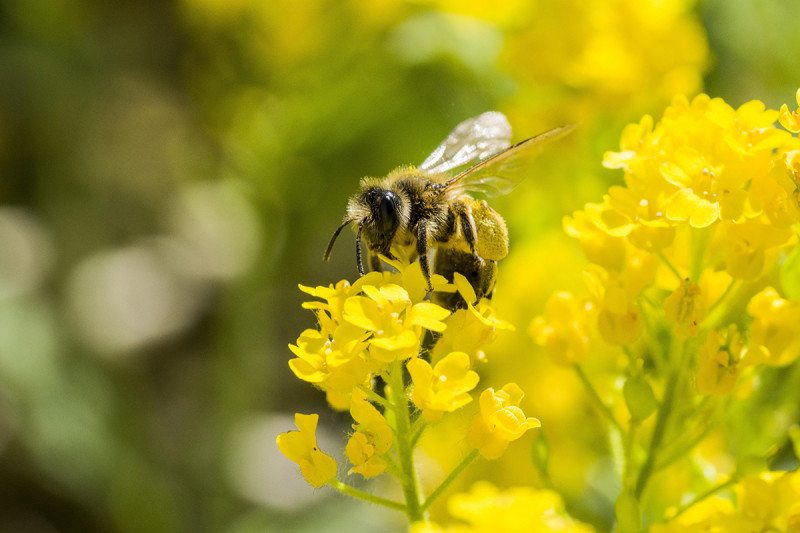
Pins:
x,y
171,170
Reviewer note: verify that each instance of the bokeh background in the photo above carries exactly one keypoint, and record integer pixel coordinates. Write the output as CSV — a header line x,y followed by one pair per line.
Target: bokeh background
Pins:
x,y
171,170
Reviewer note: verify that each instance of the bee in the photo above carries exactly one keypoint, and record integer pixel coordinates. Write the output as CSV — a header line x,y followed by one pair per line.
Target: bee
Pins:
x,y
416,210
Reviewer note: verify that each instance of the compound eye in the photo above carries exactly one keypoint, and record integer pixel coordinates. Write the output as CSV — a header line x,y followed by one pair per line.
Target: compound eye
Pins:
x,y
387,211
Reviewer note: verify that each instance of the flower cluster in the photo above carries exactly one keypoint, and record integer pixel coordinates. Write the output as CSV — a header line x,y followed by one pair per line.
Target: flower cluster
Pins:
x,y
763,502
485,508
383,330
692,277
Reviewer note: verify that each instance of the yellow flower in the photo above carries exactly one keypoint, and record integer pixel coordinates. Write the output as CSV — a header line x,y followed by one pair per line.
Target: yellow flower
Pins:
x,y
751,247
394,323
301,447
371,440
334,296
791,119
771,500
685,308
773,332
469,330
500,421
564,330
618,319
521,509
443,388
600,247
426,527
694,167
409,276
718,362
333,361
714,514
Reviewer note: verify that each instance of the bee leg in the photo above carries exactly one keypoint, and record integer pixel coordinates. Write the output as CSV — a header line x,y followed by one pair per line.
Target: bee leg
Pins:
x,y
375,263
467,223
422,252
359,262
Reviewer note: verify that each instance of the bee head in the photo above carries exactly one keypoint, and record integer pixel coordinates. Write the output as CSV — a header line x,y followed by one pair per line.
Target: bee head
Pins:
x,y
379,212
384,208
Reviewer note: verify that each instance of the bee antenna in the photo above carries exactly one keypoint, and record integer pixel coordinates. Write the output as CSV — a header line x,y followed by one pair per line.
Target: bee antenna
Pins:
x,y
327,255
358,249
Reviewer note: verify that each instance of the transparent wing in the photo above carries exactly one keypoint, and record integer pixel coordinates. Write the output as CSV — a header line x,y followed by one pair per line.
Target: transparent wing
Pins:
x,y
476,139
500,173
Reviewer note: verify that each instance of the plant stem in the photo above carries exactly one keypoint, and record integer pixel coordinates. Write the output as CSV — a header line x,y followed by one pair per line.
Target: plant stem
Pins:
x,y
471,456
417,427
669,265
596,399
664,411
366,496
699,244
714,313
702,496
405,459
375,397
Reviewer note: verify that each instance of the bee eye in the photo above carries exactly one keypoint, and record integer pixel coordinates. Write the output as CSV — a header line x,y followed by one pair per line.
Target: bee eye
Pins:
x,y
387,211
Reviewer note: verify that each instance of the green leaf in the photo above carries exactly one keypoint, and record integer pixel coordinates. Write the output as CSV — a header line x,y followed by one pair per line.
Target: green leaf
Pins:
x,y
790,275
639,398
626,511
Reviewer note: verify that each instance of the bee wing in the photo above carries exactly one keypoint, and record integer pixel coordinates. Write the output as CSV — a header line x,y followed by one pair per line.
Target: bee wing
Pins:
x,y
499,174
475,139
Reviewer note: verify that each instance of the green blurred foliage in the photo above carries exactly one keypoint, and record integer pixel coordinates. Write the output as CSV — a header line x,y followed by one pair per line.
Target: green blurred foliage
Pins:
x,y
169,171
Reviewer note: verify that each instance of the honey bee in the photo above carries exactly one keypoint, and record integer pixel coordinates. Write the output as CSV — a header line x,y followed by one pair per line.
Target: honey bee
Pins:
x,y
416,210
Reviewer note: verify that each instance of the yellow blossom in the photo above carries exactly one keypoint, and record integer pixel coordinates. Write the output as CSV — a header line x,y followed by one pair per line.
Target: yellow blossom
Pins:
x,y
394,323
469,330
371,440
695,166
500,421
791,119
486,509
773,332
750,247
444,387
334,296
410,277
718,362
618,319
685,308
333,361
769,501
772,500
564,328
426,527
601,247
301,447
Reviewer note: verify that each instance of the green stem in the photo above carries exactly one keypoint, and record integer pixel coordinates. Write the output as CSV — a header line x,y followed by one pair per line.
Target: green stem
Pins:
x,y
702,496
695,437
628,444
417,427
722,297
699,244
366,496
449,479
405,459
659,430
713,315
596,399
375,397
669,265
